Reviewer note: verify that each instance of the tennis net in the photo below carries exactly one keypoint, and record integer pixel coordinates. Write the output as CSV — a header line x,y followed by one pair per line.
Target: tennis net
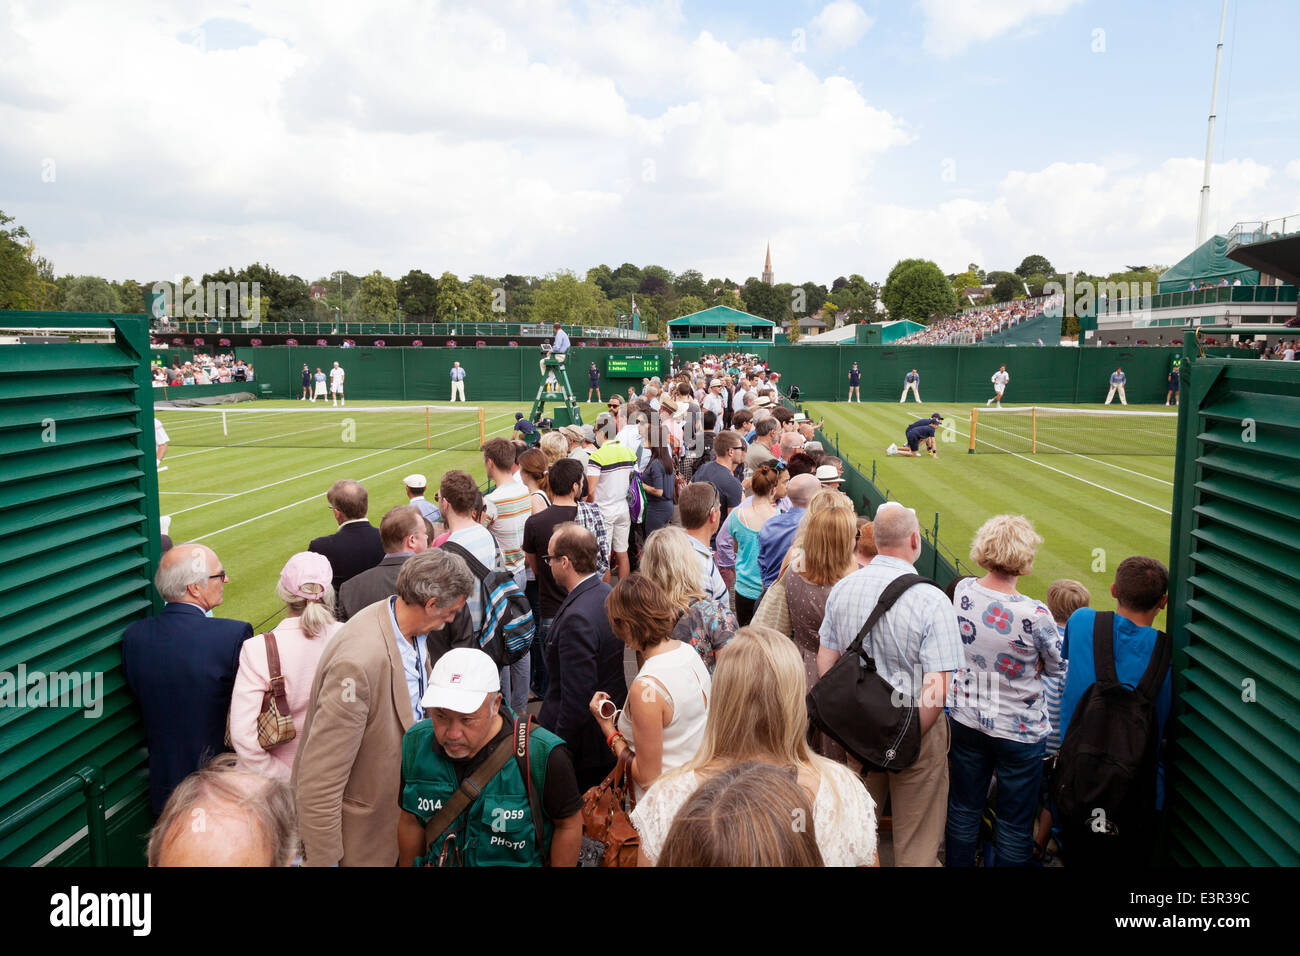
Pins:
x,y
1072,431
418,426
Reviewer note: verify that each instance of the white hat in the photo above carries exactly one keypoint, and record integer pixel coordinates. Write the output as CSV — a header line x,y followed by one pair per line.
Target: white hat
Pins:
x,y
415,481
828,475
461,680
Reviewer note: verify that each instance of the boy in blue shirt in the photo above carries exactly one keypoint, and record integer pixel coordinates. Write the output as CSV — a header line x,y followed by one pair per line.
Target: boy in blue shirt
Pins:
x,y
1140,592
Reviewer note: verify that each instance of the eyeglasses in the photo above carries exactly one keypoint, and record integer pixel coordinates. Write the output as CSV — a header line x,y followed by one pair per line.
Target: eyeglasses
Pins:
x,y
548,558
220,574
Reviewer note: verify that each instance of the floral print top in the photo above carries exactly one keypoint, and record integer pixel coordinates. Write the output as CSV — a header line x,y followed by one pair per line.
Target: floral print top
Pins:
x,y
1009,641
706,625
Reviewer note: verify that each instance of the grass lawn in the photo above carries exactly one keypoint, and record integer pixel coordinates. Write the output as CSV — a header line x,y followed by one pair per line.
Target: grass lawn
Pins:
x,y
1092,511
257,506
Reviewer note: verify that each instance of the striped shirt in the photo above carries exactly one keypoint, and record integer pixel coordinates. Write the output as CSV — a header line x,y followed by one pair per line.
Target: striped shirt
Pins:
x,y
612,464
710,578
1052,688
508,507
917,636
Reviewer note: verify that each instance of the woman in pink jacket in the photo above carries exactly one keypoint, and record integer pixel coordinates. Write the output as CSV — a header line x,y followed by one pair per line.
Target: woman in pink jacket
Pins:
x,y
305,588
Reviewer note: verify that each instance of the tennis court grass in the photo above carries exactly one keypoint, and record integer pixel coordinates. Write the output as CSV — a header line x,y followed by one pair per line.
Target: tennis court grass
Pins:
x,y
1091,510
257,506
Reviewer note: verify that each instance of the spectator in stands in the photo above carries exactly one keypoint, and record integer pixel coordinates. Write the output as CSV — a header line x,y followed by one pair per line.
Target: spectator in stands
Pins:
x,y
555,445
778,533
402,533
1063,598
355,546
532,465
658,481
916,648
741,817
705,623
304,587
998,719
351,739
416,486
508,506
701,511
821,558
182,647
585,657
667,702
745,524
463,508
757,712
865,548
608,475
1140,592
248,819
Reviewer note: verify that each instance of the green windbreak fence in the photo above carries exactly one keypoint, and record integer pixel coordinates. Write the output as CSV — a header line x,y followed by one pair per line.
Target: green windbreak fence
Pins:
x,y
79,541
1234,768
948,373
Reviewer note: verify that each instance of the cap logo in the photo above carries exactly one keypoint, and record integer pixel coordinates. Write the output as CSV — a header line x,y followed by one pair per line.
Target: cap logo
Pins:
x,y
455,678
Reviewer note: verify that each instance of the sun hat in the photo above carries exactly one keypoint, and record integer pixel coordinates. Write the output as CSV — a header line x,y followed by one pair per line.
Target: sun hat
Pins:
x,y
461,680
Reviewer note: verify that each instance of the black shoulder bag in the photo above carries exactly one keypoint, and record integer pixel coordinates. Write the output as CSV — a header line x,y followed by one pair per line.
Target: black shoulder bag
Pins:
x,y
858,709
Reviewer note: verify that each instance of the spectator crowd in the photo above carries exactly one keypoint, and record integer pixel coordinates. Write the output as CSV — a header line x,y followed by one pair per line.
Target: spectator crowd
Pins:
x,y
202,369
645,605
977,324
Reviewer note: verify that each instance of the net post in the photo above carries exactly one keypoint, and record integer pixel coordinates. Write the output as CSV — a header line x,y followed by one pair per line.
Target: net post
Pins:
x,y
428,438
482,433
974,417
224,432
1033,430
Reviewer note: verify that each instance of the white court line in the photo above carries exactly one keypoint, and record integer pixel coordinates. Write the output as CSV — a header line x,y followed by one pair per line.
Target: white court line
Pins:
x,y
1077,478
316,497
249,443
209,494
326,468
1076,454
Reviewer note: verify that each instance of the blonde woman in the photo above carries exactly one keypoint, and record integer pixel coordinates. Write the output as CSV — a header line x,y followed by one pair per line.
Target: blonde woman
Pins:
x,y
757,713
821,556
306,589
764,800
554,446
996,705
671,562
667,702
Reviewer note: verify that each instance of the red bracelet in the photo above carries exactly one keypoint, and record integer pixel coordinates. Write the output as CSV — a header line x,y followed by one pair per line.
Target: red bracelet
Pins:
x,y
609,741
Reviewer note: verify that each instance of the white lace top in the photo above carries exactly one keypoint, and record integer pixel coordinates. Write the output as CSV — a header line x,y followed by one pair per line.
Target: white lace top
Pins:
x,y
844,816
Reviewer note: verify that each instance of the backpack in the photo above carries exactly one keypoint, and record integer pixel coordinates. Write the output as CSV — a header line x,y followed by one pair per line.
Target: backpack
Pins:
x,y
508,626
1104,784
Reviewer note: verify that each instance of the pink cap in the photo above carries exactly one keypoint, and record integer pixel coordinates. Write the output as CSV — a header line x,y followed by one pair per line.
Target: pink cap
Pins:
x,y
307,575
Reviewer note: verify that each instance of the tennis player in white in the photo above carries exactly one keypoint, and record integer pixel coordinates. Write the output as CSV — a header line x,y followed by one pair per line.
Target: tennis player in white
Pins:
x,y
1000,379
336,385
160,439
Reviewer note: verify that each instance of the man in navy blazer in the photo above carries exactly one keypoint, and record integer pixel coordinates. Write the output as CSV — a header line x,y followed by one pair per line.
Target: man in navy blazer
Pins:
x,y
356,546
181,667
582,655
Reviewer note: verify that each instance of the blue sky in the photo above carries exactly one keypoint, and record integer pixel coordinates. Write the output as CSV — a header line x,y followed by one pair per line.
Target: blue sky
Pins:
x,y
528,137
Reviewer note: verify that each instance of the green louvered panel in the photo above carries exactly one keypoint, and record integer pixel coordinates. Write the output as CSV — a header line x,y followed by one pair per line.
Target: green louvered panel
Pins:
x,y
78,546
1234,771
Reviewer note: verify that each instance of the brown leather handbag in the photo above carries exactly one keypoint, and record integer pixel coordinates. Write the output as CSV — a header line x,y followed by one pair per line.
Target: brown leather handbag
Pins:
x,y
275,720
608,836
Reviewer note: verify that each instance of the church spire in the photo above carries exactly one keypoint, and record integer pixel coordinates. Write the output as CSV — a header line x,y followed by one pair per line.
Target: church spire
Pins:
x,y
767,267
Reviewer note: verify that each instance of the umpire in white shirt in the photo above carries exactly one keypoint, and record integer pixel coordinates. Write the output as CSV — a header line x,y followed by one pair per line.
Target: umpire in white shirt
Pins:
x,y
1117,381
457,382
916,648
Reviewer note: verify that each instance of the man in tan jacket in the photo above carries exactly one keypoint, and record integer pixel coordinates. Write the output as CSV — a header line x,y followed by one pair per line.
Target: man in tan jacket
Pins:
x,y
365,696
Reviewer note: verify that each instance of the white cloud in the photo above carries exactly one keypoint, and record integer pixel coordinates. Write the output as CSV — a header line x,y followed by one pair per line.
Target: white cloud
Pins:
x,y
953,25
840,25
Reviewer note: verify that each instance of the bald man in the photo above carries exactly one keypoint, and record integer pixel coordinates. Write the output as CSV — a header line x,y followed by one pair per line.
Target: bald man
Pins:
x,y
181,666
247,820
777,535
917,648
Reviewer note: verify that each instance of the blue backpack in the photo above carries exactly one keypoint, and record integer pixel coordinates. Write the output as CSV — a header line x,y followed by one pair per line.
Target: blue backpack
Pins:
x,y
508,625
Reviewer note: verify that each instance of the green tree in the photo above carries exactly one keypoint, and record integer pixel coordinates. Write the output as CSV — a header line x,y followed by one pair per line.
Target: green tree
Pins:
x,y
1008,288
416,293
1031,264
563,297
625,280
452,303
603,277
686,305
764,300
732,333
91,294
689,283
792,331
19,276
378,297
480,294
916,289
